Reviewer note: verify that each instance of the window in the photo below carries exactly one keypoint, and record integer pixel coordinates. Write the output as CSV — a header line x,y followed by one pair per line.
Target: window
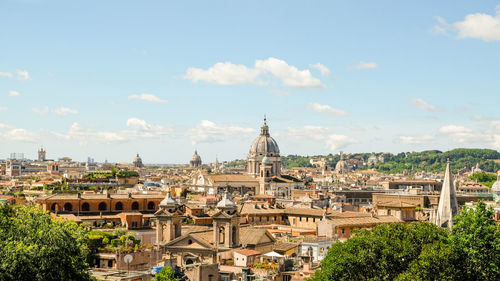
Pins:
x,y
134,224
151,205
222,235
135,205
343,230
314,219
267,218
68,207
110,263
53,207
85,207
307,219
119,206
102,206
294,221
275,218
300,218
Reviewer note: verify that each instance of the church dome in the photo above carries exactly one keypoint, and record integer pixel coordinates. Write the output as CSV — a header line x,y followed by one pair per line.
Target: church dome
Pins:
x,y
342,166
226,201
196,157
264,144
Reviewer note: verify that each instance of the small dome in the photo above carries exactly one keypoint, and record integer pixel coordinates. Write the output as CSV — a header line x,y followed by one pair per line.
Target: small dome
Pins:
x,y
196,157
226,202
265,160
168,201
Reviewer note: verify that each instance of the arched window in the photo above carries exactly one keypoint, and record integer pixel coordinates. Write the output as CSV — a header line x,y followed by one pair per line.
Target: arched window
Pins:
x,y
135,206
234,236
53,207
189,261
85,207
102,206
151,205
261,173
119,206
267,173
389,212
68,207
222,235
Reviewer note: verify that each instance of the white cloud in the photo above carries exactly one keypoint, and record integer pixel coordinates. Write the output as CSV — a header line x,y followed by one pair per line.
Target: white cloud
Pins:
x,y
83,135
227,73
478,26
209,132
2,108
14,93
323,108
147,97
63,111
325,71
416,139
5,126
289,75
365,65
330,140
41,111
461,134
423,105
6,74
144,126
22,135
223,73
23,75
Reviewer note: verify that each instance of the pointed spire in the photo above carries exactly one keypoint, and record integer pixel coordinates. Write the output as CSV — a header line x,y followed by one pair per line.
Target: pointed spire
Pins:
x,y
448,206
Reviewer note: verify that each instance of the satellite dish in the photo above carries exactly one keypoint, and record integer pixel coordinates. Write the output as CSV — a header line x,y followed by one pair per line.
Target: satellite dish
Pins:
x,y
128,259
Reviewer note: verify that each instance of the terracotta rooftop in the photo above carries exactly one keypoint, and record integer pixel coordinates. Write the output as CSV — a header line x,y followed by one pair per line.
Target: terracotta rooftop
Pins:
x,y
248,252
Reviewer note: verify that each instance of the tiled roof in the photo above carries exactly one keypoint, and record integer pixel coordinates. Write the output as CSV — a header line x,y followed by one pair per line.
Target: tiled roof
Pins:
x,y
361,221
99,196
248,252
231,177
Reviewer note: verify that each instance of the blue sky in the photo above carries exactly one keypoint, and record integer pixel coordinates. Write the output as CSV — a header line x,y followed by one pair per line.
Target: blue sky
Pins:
x,y
108,79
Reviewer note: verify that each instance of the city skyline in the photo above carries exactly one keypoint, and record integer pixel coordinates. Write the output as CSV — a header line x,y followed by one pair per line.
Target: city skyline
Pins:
x,y
163,79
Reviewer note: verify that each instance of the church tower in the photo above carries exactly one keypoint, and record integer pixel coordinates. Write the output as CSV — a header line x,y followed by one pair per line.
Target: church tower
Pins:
x,y
266,171
168,218
448,206
42,155
226,224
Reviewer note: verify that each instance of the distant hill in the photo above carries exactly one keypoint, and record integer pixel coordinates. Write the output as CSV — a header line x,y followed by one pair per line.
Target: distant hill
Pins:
x,y
429,161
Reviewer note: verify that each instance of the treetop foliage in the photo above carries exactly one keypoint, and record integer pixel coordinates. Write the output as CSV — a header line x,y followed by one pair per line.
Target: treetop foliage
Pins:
x,y
419,251
35,246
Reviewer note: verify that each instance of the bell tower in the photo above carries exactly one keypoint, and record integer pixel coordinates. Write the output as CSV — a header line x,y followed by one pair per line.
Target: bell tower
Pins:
x,y
168,218
42,154
226,223
265,175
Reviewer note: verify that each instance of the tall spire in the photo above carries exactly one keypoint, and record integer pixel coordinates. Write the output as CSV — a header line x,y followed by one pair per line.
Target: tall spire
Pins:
x,y
448,206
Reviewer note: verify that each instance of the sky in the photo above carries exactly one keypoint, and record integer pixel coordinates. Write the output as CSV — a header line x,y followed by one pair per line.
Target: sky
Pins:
x,y
109,79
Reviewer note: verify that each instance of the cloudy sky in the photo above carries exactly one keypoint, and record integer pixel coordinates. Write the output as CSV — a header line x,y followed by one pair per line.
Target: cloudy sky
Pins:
x,y
108,79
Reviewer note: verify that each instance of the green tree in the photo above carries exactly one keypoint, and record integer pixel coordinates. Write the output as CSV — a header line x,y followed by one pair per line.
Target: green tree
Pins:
x,y
380,254
475,239
35,246
165,274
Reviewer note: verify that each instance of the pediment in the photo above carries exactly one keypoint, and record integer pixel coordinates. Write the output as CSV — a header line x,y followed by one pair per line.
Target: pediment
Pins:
x,y
189,241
